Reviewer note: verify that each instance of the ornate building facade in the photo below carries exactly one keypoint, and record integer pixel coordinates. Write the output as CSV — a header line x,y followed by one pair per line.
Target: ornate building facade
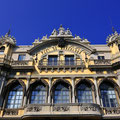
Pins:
x,y
60,78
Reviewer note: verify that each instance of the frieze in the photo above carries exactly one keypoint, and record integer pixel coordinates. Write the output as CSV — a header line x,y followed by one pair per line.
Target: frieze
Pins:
x,y
110,111
34,109
10,112
69,48
88,108
61,108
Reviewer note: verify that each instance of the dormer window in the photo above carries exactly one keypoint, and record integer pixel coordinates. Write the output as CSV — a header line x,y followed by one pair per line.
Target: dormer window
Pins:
x,y
21,57
101,57
2,50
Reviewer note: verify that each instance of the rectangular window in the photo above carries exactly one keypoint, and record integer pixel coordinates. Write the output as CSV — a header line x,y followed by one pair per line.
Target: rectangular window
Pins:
x,y
69,60
21,57
52,60
101,57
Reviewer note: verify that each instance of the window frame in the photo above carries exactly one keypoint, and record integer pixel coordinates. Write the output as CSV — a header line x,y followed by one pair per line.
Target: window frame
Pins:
x,y
23,57
69,90
90,90
115,93
33,87
7,95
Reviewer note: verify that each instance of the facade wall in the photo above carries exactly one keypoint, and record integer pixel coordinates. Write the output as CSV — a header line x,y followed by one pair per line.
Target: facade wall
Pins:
x,y
60,77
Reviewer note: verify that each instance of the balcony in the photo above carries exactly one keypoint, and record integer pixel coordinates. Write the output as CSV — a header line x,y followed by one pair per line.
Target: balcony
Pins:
x,y
25,64
5,61
100,63
73,110
61,64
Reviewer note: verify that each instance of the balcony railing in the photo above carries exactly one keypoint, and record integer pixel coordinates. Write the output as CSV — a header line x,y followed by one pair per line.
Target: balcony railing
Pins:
x,y
61,63
25,64
100,63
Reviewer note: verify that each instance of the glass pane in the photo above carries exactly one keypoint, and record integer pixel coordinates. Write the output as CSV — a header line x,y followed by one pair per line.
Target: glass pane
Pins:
x,y
38,95
108,95
61,94
14,97
84,94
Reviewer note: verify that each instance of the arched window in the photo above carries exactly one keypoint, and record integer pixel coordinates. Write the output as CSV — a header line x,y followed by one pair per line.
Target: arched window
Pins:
x,y
39,94
108,95
15,97
84,93
61,94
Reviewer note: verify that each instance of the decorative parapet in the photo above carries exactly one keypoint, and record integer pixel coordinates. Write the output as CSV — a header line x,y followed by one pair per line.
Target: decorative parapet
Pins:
x,y
63,109
103,63
111,111
10,112
26,64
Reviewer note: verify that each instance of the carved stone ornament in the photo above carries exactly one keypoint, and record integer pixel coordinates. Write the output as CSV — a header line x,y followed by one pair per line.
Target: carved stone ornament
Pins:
x,y
61,108
61,42
7,39
55,32
10,112
88,108
34,109
112,111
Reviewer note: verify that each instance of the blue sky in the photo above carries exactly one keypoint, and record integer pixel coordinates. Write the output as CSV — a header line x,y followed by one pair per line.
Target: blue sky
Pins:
x,y
30,19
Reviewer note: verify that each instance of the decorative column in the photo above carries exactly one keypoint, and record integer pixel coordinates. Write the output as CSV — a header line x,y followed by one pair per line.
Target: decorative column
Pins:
x,y
73,90
118,76
97,94
49,95
2,79
25,97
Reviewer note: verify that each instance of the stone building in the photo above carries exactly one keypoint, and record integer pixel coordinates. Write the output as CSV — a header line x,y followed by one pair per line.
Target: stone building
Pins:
x,y
59,77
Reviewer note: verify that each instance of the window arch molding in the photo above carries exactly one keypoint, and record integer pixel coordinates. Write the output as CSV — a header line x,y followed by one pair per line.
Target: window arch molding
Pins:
x,y
10,86
57,82
33,84
60,81
11,83
115,85
88,82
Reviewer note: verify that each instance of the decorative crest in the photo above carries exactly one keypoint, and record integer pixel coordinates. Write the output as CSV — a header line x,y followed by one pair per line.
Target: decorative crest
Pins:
x,y
7,39
113,37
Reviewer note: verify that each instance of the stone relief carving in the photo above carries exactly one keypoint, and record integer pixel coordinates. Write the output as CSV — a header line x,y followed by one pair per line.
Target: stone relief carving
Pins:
x,y
88,108
10,112
112,111
34,109
61,108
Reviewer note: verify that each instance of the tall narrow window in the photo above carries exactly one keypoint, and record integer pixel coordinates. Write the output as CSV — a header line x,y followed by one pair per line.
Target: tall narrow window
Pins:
x,y
52,60
61,94
84,93
21,57
38,95
108,95
15,97
69,60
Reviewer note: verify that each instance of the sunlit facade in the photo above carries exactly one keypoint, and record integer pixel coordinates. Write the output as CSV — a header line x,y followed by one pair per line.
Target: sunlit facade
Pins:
x,y
60,77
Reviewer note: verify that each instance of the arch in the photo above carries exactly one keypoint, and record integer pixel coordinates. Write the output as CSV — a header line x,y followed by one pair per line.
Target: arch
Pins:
x,y
36,48
33,84
88,81
65,84
11,83
109,80
108,94
58,81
